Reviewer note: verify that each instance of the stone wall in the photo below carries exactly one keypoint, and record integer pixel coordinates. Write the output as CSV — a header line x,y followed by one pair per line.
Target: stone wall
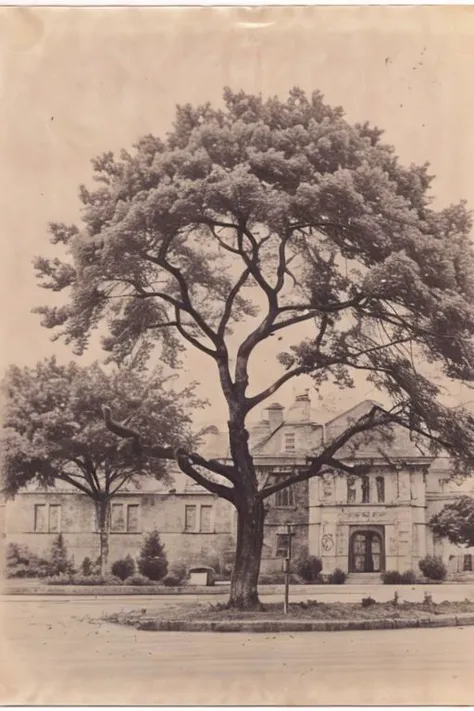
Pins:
x,y
163,512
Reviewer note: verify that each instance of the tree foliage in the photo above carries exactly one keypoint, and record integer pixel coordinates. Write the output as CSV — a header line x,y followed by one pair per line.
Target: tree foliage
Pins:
x,y
455,522
246,220
53,427
288,199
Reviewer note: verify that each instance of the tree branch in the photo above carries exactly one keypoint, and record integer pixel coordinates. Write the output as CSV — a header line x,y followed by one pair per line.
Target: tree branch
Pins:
x,y
363,424
225,492
167,453
264,394
230,302
188,337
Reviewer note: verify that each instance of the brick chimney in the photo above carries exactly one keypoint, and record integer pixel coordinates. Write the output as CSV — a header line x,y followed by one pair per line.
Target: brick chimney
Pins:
x,y
275,415
302,407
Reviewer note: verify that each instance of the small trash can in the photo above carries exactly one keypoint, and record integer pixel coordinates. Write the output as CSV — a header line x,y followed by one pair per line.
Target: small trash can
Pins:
x,y
201,576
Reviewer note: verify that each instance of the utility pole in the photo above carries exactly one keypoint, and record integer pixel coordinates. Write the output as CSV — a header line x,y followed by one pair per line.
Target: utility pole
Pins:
x,y
289,532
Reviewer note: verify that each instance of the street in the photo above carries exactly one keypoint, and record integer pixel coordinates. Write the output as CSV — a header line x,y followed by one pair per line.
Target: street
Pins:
x,y
52,654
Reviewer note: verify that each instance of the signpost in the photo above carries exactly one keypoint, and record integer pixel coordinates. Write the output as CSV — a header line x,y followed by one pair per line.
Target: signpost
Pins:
x,y
289,531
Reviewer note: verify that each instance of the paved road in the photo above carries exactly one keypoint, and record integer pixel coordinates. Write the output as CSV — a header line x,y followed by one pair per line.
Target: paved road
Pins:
x,y
51,655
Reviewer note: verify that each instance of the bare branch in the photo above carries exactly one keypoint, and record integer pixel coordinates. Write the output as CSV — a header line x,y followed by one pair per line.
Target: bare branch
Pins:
x,y
225,492
167,453
230,301
193,341
257,399
365,423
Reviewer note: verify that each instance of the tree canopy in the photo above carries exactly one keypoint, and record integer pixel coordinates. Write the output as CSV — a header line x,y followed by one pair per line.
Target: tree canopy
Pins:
x,y
53,427
455,522
320,217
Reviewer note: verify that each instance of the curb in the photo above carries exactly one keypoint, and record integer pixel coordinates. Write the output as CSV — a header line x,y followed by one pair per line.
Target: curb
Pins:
x,y
302,625
221,589
106,591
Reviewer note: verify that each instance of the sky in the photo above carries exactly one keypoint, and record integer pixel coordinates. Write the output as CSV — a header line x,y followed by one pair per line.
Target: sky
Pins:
x,y
77,82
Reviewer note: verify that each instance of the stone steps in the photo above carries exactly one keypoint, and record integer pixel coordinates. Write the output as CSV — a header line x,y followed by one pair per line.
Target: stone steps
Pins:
x,y
364,579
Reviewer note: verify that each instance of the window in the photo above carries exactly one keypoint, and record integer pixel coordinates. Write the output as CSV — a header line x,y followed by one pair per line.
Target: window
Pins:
x,y
41,525
206,513
198,519
365,490
282,545
54,518
132,518
351,490
125,518
467,563
380,483
285,498
190,518
290,446
47,518
117,518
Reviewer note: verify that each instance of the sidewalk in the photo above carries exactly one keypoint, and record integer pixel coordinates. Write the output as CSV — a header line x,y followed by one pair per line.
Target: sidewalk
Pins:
x,y
329,593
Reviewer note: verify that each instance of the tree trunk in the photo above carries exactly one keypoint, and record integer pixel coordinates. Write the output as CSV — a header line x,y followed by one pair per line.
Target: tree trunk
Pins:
x,y
243,588
103,526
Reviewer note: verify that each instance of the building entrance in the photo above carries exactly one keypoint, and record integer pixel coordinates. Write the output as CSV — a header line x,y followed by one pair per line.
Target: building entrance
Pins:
x,y
366,552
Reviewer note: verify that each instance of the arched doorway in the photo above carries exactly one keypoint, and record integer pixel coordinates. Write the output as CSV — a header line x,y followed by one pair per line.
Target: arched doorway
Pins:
x,y
366,553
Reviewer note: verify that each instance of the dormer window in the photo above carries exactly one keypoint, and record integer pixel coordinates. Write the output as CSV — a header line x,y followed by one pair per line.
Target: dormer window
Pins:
x,y
290,445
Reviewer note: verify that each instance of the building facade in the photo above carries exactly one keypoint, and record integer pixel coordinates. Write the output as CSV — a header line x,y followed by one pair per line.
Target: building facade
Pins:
x,y
363,525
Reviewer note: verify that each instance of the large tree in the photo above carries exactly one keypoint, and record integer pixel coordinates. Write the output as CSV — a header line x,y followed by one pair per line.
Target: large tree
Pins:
x,y
455,522
247,221
53,430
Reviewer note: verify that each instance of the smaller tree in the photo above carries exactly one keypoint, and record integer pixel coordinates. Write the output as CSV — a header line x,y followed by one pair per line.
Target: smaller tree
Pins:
x,y
59,561
53,430
152,560
456,522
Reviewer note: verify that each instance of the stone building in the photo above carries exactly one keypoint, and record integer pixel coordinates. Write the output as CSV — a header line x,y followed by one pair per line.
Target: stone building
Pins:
x,y
362,525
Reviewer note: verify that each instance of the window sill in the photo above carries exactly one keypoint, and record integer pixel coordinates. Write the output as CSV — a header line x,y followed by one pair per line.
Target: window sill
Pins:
x,y
124,533
202,533
47,533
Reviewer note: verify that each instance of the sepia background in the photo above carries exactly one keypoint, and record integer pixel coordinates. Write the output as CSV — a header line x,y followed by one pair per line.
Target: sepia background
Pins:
x,y
78,82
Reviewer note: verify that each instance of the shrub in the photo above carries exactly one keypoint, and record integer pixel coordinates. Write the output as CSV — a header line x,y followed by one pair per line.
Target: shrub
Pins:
x,y
59,563
88,567
309,568
338,577
171,581
179,572
368,601
124,568
395,599
152,560
137,579
408,577
433,568
21,562
391,577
